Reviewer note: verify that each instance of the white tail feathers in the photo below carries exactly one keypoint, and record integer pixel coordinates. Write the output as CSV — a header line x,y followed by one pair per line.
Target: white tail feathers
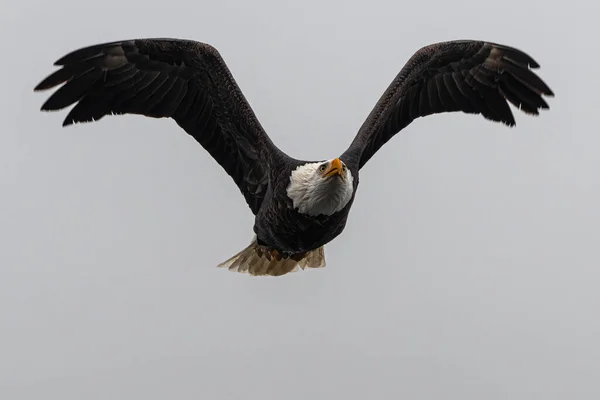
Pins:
x,y
253,260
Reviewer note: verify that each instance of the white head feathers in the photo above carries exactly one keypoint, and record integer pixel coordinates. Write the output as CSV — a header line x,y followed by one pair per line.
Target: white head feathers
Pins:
x,y
320,188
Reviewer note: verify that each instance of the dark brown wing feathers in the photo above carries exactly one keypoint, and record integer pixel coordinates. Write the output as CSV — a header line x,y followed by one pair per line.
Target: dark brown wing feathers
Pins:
x,y
464,75
185,80
189,82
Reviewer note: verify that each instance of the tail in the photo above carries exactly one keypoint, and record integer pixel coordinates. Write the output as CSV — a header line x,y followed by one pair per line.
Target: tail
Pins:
x,y
253,260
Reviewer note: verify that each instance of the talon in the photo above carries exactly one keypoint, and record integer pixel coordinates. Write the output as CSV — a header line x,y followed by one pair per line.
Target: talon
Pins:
x,y
272,254
298,256
276,255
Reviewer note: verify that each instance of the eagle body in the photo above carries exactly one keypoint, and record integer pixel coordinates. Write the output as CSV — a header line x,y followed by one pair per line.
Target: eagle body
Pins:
x,y
299,206
280,225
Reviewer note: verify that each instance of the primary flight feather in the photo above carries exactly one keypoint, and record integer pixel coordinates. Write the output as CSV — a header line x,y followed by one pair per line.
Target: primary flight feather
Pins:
x,y
299,206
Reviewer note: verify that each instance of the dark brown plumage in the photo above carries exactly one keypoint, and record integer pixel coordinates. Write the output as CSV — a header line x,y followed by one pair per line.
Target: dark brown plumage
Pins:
x,y
470,76
185,80
189,82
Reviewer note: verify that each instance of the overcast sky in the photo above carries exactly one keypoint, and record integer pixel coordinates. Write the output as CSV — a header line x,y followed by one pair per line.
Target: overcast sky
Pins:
x,y
469,268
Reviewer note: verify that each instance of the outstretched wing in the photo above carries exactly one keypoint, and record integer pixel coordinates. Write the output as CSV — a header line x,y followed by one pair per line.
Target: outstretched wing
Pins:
x,y
463,75
160,78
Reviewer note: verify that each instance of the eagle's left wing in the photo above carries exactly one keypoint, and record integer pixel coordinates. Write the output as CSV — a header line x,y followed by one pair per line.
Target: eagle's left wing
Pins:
x,y
464,75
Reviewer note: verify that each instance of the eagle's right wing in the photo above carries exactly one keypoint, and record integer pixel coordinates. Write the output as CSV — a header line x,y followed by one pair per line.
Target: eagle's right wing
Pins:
x,y
185,80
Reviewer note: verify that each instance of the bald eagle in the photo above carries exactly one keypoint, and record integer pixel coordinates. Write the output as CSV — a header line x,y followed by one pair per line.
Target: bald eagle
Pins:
x,y
299,206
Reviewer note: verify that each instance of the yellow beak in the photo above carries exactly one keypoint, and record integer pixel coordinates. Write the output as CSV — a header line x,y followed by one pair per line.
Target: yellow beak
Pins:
x,y
336,168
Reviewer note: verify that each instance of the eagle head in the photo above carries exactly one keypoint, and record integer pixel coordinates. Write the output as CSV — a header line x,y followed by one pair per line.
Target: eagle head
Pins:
x,y
320,188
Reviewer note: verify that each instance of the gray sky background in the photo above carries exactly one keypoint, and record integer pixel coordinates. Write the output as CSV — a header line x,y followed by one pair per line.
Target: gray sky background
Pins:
x,y
469,268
